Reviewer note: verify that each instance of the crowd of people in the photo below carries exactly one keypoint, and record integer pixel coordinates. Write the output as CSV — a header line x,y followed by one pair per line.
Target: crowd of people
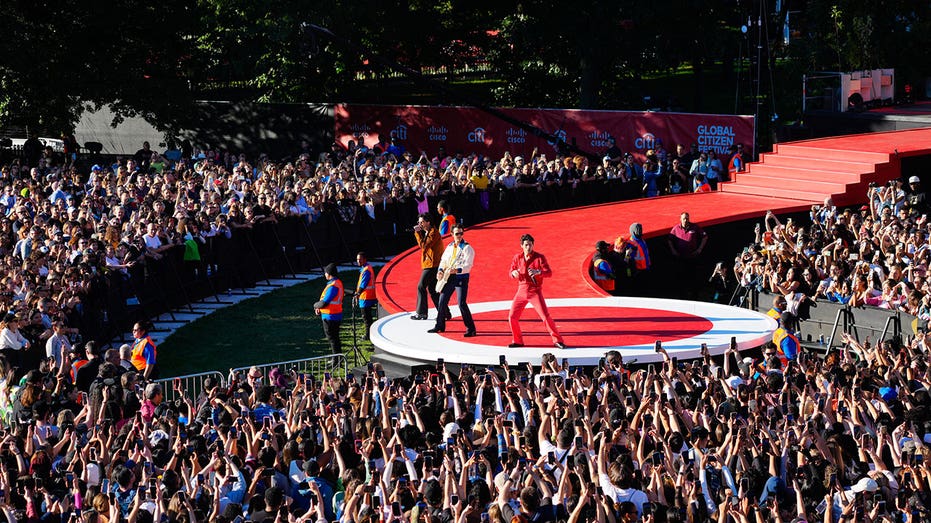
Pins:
x,y
749,437
874,255
840,439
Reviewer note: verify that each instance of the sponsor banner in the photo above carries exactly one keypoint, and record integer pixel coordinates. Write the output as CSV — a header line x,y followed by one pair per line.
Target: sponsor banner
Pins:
x,y
467,130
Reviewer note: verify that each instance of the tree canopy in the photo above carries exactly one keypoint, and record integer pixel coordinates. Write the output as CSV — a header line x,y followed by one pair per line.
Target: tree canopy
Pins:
x,y
155,59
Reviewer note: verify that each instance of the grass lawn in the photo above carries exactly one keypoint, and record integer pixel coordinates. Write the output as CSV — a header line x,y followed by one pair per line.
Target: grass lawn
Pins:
x,y
279,326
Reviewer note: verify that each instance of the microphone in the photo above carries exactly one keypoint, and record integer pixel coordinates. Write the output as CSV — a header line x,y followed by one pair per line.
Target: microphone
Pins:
x,y
532,276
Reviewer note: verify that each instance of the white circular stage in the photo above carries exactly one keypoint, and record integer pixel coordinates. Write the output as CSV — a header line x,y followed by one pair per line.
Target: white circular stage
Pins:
x,y
590,327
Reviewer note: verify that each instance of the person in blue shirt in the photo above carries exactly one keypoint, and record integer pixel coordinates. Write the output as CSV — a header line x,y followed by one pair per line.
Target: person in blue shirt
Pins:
x,y
447,220
232,484
785,337
652,170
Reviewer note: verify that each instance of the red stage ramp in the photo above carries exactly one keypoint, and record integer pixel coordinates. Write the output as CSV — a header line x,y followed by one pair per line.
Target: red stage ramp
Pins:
x,y
791,179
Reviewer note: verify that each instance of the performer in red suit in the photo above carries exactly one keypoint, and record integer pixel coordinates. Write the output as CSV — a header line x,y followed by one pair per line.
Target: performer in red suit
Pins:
x,y
529,268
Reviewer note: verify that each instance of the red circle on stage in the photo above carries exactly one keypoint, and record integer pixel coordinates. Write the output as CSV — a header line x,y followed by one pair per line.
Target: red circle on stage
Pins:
x,y
585,327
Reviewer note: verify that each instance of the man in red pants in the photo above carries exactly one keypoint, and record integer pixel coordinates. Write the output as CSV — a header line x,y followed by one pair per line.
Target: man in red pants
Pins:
x,y
529,268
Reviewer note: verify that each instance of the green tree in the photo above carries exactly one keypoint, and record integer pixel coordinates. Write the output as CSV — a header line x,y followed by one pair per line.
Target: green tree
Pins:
x,y
56,57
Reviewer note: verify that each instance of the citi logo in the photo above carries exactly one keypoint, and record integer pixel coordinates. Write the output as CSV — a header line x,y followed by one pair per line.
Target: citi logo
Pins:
x,y
399,132
477,136
647,141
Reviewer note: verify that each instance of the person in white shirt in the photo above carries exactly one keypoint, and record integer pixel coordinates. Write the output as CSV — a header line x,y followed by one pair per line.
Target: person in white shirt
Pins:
x,y
455,266
58,344
126,354
616,480
12,343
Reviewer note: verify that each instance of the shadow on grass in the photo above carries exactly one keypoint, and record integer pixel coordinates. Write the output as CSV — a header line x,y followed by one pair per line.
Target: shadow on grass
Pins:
x,y
278,326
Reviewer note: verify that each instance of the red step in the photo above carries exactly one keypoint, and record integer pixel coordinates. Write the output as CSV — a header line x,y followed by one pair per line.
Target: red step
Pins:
x,y
791,194
845,155
820,186
801,162
793,174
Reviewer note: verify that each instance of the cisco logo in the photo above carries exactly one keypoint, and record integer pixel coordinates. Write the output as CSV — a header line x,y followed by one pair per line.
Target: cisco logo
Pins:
x,y
437,133
516,135
599,139
359,130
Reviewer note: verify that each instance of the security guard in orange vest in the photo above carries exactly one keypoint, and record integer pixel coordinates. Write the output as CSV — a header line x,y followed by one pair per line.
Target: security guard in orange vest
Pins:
x,y
779,306
602,272
330,307
784,338
143,355
365,291
637,255
735,164
447,220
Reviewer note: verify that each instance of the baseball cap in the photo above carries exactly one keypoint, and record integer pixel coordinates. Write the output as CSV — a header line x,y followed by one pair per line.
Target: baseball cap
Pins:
x,y
774,487
865,484
914,179
888,393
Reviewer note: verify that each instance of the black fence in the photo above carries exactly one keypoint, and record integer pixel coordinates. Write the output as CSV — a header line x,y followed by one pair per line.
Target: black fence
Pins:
x,y
295,245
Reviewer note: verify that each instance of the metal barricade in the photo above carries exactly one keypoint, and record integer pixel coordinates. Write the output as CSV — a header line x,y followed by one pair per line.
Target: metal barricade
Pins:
x,y
334,364
193,384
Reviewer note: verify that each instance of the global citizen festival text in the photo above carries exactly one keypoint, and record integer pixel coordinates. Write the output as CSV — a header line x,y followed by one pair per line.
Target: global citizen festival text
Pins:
x,y
715,138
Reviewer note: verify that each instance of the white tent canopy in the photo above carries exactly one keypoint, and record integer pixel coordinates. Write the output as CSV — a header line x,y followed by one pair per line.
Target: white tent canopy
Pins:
x,y
125,138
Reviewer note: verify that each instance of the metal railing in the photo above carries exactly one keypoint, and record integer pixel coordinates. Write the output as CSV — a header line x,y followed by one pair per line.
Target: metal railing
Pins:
x,y
847,323
334,364
193,384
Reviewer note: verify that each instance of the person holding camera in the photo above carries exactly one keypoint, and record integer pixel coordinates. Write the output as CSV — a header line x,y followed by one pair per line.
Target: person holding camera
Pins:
x,y
720,283
916,198
431,250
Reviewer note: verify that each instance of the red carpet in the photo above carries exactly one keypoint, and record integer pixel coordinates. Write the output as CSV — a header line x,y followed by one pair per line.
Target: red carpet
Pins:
x,y
567,237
